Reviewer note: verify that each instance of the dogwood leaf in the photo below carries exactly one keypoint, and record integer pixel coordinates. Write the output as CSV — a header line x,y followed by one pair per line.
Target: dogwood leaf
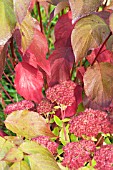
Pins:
x,y
27,33
20,8
83,8
63,29
22,165
88,33
98,83
60,6
7,20
28,82
14,155
39,48
61,61
38,156
27,124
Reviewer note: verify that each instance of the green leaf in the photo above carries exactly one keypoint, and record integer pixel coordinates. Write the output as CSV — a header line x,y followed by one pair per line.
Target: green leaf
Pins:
x,y
56,131
98,83
4,165
58,121
5,148
7,20
14,155
42,162
28,124
31,147
20,166
88,33
39,158
83,8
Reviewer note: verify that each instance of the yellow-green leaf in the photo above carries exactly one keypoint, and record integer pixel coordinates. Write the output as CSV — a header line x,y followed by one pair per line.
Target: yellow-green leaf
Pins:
x,y
7,20
88,33
20,166
27,32
14,155
6,146
28,124
39,157
4,165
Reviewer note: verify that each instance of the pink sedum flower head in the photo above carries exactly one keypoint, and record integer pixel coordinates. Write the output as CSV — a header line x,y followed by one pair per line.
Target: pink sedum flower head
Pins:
x,y
44,106
62,93
76,154
90,123
104,158
24,104
46,142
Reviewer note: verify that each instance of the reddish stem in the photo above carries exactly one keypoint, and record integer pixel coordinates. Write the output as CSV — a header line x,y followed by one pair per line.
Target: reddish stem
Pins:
x,y
39,12
9,67
8,79
7,93
101,47
10,60
64,128
12,51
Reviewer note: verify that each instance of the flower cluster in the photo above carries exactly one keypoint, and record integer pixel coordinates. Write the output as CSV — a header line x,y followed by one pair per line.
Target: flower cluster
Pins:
x,y
104,158
46,142
62,93
24,104
76,154
90,123
44,106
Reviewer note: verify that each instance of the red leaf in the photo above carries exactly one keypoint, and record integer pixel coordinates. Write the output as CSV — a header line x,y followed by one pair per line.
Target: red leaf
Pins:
x,y
39,48
28,82
61,62
78,94
71,110
63,30
104,56
2,133
80,73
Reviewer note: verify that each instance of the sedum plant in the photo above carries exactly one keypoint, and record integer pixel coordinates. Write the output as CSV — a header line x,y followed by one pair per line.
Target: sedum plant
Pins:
x,y
65,120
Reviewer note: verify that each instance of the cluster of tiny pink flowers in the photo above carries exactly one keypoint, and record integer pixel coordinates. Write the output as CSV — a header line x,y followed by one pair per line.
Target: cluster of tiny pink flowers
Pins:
x,y
104,158
90,123
62,93
76,154
24,104
44,106
46,142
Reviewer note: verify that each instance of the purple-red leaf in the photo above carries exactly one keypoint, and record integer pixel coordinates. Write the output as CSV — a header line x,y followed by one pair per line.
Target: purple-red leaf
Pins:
x,y
98,83
61,61
29,82
63,30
